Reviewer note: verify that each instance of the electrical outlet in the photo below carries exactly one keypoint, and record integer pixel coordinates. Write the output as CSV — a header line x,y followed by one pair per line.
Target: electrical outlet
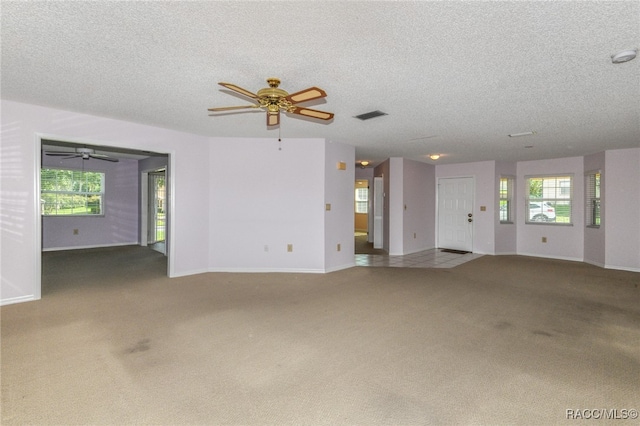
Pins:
x,y
76,232
544,239
289,248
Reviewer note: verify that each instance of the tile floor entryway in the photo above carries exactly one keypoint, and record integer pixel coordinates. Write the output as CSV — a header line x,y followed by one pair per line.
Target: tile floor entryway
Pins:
x,y
433,258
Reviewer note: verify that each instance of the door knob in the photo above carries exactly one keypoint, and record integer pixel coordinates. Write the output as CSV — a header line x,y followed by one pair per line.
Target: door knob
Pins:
x,y
469,220
470,214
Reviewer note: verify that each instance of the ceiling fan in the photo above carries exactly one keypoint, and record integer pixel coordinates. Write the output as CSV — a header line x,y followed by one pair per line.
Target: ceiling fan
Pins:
x,y
84,153
275,100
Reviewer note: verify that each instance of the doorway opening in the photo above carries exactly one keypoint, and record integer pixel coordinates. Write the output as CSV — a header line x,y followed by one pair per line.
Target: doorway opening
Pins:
x,y
156,211
115,222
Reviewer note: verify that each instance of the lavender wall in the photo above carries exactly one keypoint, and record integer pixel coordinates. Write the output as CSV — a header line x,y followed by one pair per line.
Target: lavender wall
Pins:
x,y
394,244
418,230
118,225
622,204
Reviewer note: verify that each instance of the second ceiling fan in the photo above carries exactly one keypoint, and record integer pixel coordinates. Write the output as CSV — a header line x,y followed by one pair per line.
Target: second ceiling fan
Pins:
x,y
275,100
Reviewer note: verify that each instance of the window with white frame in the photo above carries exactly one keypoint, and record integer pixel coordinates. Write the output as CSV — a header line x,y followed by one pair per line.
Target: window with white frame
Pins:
x,y
592,207
506,200
362,200
549,199
66,192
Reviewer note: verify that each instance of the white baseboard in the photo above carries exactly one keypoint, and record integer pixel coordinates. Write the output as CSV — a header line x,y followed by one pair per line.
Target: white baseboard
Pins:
x,y
19,299
572,259
134,243
598,264
188,273
268,270
340,268
622,268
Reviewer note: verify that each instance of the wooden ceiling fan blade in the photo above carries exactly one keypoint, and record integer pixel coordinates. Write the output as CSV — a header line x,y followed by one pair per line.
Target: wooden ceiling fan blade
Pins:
x,y
314,113
306,95
233,108
273,118
240,90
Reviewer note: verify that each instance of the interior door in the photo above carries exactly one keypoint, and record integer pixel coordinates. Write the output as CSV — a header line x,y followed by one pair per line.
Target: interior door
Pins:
x,y
157,215
455,213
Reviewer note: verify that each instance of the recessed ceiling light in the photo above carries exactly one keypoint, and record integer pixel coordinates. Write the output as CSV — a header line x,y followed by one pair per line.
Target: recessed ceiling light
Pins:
x,y
434,156
517,135
624,56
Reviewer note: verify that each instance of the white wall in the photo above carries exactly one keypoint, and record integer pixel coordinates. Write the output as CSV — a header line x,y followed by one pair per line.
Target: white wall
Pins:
x,y
563,241
485,195
339,192
118,225
622,206
20,233
263,198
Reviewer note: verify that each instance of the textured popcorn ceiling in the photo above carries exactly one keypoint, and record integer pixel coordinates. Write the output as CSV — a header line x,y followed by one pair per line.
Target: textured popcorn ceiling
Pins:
x,y
454,77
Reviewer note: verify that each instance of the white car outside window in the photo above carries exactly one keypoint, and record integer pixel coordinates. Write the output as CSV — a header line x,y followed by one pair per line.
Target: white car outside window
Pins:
x,y
541,212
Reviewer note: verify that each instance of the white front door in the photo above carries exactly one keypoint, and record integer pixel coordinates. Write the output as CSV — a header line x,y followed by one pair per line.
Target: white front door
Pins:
x,y
455,213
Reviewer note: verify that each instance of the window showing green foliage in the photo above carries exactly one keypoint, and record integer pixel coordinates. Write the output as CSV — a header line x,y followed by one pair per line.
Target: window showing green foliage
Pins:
x,y
550,199
71,192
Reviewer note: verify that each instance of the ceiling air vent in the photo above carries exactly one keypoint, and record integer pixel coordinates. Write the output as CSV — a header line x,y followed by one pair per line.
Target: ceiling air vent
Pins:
x,y
370,115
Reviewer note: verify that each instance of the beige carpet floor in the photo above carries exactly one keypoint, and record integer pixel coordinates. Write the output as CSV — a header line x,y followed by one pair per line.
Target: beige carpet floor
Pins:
x,y
497,340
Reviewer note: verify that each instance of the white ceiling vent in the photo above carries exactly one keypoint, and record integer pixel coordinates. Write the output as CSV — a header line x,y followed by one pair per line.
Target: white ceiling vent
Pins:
x,y
370,115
